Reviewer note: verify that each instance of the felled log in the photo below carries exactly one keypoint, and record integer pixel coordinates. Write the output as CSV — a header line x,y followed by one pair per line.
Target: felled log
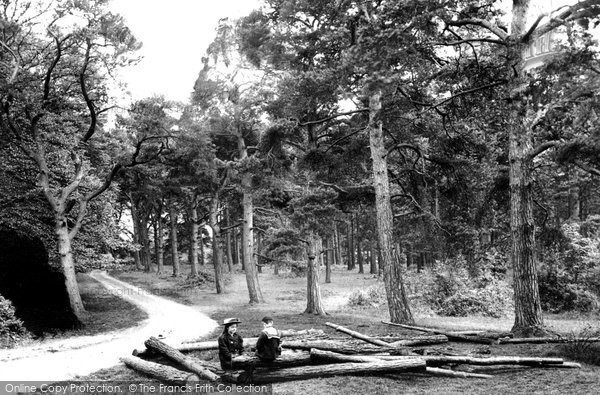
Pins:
x,y
160,372
542,340
185,361
265,376
211,345
288,358
414,340
357,335
454,373
321,355
435,360
451,335
342,347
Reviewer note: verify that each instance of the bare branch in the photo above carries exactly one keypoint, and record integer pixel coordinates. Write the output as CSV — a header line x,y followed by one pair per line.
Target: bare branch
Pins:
x,y
541,148
333,117
472,40
86,97
497,31
585,167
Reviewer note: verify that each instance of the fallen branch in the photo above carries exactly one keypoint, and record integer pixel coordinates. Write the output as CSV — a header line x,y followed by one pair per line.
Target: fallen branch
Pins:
x,y
358,335
160,372
185,361
343,347
322,355
542,340
451,335
288,358
434,360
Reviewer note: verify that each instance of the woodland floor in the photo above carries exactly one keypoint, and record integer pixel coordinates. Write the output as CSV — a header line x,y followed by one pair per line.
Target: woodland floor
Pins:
x,y
285,301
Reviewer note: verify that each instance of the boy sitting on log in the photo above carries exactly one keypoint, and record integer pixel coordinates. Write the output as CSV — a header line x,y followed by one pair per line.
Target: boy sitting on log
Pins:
x,y
268,345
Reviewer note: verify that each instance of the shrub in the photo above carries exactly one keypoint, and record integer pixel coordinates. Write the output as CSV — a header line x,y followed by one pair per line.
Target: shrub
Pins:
x,y
11,328
373,296
453,293
583,349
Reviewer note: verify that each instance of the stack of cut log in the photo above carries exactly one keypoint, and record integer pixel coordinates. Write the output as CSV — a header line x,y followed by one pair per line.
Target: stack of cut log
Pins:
x,y
314,354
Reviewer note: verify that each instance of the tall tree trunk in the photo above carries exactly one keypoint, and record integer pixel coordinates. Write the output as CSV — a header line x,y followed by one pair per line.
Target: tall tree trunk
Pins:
x,y
254,292
201,246
392,271
193,251
234,246
359,253
159,249
228,241
528,310
329,260
409,255
216,244
67,264
173,231
350,239
145,242
373,258
136,235
240,246
574,200
314,304
259,249
338,245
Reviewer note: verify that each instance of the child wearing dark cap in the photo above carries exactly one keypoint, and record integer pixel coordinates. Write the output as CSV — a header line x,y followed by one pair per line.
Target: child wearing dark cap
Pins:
x,y
268,345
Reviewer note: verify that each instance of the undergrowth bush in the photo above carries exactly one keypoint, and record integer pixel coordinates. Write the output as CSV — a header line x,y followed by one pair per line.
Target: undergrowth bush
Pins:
x,y
582,347
11,327
569,277
452,292
372,296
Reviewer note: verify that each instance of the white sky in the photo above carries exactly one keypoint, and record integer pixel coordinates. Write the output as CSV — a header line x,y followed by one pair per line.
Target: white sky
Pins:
x,y
175,34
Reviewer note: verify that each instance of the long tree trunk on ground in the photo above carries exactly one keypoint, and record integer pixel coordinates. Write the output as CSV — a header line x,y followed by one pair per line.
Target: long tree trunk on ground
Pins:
x,y
174,245
193,251
254,292
228,253
216,244
528,310
67,264
392,271
314,303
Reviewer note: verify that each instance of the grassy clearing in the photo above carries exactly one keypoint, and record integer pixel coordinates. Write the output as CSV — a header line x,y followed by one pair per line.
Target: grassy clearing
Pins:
x,y
285,301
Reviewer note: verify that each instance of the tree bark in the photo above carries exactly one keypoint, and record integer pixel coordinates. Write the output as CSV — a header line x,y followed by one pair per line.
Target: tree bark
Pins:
x,y
173,232
67,265
228,241
188,363
314,303
338,246
351,262
393,272
216,244
528,308
193,251
373,268
254,292
160,372
451,335
159,242
359,255
330,254
136,234
144,241
201,246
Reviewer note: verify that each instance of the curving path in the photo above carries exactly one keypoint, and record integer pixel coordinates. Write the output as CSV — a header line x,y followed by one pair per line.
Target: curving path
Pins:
x,y
68,358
